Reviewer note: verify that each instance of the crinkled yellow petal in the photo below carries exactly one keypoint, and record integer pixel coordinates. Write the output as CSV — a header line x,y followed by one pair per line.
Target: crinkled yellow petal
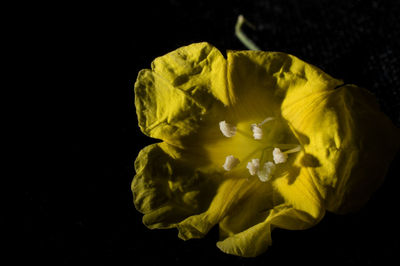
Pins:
x,y
250,210
348,143
261,80
230,192
171,185
299,189
198,69
256,239
181,87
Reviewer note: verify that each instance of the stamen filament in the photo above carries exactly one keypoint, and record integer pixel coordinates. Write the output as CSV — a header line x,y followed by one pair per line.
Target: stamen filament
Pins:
x,y
244,133
296,149
266,120
285,146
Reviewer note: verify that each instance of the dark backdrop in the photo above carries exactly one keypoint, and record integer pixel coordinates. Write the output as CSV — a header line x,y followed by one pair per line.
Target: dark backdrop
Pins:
x,y
83,212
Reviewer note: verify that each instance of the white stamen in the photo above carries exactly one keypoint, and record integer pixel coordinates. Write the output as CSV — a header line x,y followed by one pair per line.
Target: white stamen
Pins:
x,y
253,166
279,156
257,130
266,120
227,129
230,162
265,174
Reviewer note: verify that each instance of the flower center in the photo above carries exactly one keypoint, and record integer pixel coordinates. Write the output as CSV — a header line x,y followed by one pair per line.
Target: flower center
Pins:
x,y
262,151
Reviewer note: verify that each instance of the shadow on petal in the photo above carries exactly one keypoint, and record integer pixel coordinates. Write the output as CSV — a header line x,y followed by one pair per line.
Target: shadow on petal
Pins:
x,y
167,188
293,173
309,160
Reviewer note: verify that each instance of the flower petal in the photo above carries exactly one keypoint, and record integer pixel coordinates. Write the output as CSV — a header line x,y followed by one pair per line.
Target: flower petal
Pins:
x,y
250,210
300,190
182,86
348,142
261,80
170,186
230,193
257,239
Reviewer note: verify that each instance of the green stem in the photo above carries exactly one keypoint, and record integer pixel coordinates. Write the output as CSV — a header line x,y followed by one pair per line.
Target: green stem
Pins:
x,y
242,37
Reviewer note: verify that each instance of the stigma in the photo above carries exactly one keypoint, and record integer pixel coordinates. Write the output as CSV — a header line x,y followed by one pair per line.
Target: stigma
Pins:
x,y
227,129
230,162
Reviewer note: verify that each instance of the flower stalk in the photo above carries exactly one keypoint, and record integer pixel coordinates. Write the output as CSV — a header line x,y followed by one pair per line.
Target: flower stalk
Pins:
x,y
242,36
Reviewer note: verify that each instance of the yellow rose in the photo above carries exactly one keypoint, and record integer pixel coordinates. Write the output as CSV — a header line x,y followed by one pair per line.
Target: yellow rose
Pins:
x,y
252,142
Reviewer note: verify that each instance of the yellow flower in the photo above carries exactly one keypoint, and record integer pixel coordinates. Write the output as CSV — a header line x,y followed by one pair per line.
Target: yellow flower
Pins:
x,y
252,142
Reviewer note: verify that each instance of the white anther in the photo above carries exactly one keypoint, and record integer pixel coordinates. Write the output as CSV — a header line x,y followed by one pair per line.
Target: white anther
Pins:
x,y
230,162
265,174
227,129
253,166
257,131
279,156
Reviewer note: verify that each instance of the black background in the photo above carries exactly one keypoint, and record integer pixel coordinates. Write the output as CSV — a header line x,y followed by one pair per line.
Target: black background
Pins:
x,y
80,210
